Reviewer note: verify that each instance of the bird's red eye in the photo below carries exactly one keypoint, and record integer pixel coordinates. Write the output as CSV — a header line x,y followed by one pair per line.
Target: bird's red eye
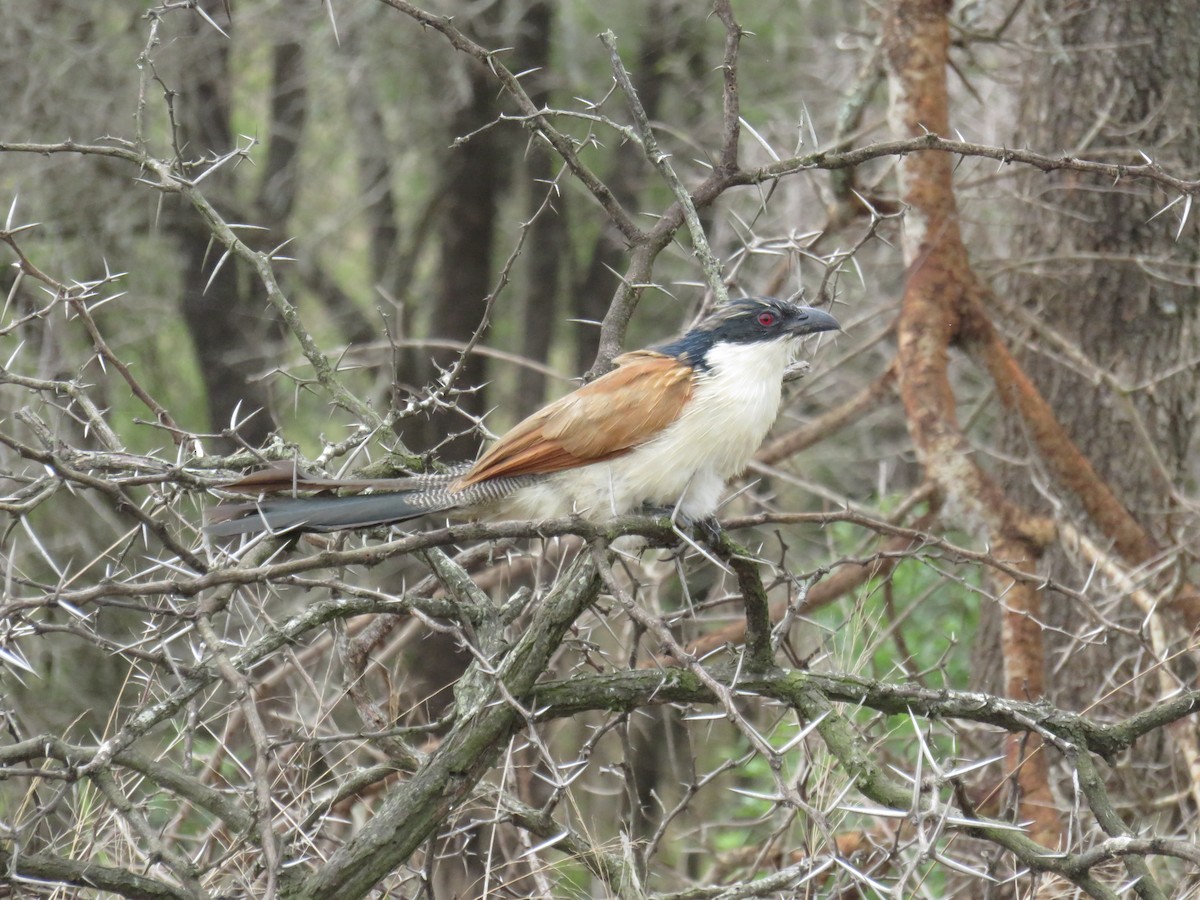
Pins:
x,y
766,319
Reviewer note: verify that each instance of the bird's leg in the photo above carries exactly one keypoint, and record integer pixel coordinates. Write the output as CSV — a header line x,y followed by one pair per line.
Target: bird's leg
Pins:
x,y
706,530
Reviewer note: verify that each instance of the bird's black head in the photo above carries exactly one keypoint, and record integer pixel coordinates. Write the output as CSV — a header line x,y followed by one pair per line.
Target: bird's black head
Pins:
x,y
748,320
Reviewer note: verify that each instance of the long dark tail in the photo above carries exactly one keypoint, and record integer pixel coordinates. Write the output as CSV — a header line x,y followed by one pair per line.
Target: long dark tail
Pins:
x,y
322,513
409,498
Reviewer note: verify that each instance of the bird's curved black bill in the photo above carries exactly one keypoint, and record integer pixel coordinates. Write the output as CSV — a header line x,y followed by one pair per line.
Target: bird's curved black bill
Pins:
x,y
809,320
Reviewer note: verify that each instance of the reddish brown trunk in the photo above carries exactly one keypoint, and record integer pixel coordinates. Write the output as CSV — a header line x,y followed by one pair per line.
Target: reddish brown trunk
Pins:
x,y
941,286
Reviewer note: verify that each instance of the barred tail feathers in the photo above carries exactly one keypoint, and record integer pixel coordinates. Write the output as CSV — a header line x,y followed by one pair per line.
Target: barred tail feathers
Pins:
x,y
430,494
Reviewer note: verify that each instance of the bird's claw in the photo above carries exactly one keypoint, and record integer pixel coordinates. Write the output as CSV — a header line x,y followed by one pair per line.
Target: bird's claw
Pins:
x,y
705,528
708,529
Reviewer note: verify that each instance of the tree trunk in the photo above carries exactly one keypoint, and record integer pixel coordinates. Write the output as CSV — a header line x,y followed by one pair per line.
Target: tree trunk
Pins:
x,y
226,322
1103,275
1134,314
547,244
471,177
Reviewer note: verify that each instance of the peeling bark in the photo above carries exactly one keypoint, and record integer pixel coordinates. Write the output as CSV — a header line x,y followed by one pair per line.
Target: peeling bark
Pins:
x,y
940,286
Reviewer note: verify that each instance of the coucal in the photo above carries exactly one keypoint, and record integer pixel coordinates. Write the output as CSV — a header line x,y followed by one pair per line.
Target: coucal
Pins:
x,y
667,428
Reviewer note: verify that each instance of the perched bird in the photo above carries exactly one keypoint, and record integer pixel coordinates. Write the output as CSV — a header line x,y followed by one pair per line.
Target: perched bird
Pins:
x,y
667,428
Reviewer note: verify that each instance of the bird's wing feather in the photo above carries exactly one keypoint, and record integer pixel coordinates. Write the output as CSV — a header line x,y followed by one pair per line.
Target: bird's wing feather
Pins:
x,y
603,419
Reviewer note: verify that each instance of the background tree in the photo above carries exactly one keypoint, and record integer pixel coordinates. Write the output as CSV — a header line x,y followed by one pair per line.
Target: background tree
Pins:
x,y
386,225
1111,332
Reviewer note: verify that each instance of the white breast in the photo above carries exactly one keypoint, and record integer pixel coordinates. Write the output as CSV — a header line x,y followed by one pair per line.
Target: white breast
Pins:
x,y
731,409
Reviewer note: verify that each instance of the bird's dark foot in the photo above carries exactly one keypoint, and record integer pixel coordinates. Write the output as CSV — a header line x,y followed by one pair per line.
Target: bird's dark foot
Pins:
x,y
651,511
708,529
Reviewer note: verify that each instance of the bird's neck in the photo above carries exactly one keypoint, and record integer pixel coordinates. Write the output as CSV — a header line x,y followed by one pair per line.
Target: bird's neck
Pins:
x,y
756,363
